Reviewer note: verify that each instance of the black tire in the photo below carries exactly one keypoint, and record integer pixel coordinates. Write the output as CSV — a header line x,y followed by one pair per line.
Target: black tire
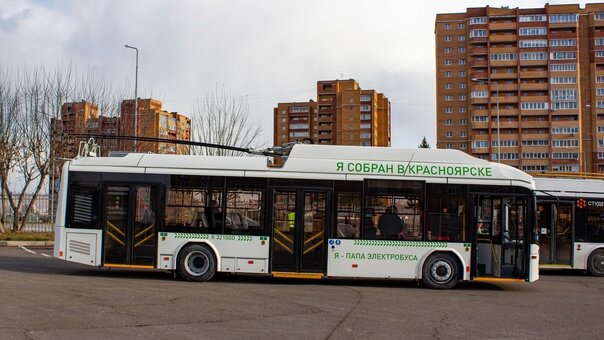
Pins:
x,y
595,263
196,263
441,271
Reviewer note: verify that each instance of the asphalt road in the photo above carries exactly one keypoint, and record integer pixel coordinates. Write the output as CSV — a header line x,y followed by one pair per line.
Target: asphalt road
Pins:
x,y
46,298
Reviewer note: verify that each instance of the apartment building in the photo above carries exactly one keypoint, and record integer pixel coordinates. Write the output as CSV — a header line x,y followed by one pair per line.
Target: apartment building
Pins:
x,y
343,114
83,118
154,122
523,86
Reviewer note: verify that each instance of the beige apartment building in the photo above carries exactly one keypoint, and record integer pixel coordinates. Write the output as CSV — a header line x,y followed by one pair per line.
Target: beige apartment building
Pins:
x,y
344,114
523,86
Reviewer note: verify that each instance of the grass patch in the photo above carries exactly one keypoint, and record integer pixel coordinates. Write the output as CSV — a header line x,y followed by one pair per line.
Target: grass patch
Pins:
x,y
26,236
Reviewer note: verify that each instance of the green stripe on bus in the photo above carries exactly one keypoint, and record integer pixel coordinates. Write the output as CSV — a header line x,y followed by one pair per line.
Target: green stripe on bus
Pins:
x,y
387,243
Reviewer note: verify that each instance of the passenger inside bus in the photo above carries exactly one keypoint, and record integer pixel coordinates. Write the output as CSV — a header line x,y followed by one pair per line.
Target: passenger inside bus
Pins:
x,y
390,224
369,229
214,217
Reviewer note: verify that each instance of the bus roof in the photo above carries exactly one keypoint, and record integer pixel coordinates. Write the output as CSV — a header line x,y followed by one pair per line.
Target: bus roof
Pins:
x,y
570,187
325,162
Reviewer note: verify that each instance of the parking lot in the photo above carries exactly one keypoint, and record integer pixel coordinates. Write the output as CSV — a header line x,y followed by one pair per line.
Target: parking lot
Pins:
x,y
46,298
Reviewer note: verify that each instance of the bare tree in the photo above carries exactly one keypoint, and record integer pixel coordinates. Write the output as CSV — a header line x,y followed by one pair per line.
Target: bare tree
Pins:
x,y
8,137
223,118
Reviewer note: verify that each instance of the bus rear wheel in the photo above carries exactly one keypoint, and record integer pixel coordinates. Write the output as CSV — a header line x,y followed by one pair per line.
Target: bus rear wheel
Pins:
x,y
595,263
441,271
196,263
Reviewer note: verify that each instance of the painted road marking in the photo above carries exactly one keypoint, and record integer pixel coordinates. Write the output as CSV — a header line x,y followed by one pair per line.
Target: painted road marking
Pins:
x,y
27,250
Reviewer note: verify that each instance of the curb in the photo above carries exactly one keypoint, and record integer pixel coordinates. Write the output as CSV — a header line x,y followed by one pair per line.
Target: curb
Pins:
x,y
27,243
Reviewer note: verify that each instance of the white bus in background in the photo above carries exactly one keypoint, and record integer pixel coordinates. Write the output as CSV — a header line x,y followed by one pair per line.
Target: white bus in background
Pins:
x,y
570,220
440,216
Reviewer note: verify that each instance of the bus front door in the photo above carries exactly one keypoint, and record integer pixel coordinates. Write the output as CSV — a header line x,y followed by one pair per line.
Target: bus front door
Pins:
x,y
298,237
501,238
554,223
129,231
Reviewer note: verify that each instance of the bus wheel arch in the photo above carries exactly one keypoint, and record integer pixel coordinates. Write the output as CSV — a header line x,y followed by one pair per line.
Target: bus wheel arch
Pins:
x,y
442,270
196,261
595,262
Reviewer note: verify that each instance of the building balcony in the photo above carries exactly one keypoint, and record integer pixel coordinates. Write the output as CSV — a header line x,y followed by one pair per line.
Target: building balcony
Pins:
x,y
498,63
554,25
503,50
479,125
506,99
534,112
535,98
503,37
479,75
478,51
533,87
506,112
480,150
504,75
498,26
533,62
480,112
477,40
479,100
505,87
533,74
562,34
505,125
324,120
479,63
535,124
565,112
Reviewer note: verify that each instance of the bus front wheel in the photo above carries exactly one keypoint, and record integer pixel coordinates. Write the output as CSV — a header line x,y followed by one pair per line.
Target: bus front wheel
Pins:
x,y
595,263
441,271
196,263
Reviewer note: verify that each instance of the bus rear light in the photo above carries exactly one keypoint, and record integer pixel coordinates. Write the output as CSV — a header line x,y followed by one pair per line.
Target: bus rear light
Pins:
x,y
354,265
467,269
166,258
60,253
250,262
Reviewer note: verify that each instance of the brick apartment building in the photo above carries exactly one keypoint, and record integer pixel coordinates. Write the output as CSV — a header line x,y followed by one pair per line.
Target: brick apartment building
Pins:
x,y
343,114
83,118
523,86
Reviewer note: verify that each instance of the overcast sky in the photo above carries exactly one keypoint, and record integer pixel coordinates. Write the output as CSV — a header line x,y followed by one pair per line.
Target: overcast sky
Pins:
x,y
268,50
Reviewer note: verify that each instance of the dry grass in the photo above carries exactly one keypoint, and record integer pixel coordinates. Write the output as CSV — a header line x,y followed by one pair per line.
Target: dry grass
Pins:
x,y
26,236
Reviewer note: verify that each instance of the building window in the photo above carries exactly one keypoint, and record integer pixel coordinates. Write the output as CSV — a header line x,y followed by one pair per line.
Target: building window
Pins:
x,y
478,20
565,130
448,61
563,55
448,86
563,17
299,134
461,26
461,37
600,91
533,56
447,38
562,67
480,144
479,94
478,33
565,105
462,85
600,54
600,79
462,97
365,126
298,126
463,134
532,43
449,133
449,110
505,143
463,122
449,146
533,106
448,74
448,98
462,61
365,97
562,42
502,56
298,109
463,146
461,50
599,15
365,108
564,94
532,18
563,80
480,118
448,50
449,122
565,143
447,26
533,31
365,116
462,73
462,109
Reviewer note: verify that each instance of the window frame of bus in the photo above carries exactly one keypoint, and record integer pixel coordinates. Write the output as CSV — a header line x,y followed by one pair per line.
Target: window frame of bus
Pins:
x,y
94,189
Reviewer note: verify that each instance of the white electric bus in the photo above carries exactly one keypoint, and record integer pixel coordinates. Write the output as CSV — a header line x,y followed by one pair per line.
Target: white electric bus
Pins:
x,y
570,220
439,216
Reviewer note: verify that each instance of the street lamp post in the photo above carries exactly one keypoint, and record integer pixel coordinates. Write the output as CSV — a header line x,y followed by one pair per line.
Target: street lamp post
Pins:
x,y
486,82
135,97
